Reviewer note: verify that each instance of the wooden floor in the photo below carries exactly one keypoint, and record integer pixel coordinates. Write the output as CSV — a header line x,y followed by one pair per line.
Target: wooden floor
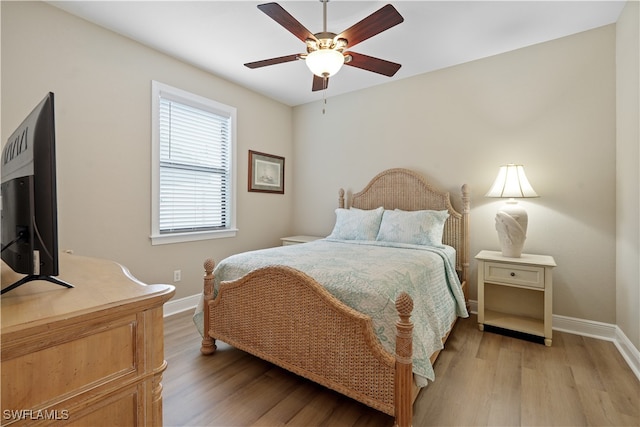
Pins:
x,y
482,379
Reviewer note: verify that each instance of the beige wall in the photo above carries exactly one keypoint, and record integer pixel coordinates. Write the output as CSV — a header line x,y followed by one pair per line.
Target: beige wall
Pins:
x,y
550,106
102,84
628,176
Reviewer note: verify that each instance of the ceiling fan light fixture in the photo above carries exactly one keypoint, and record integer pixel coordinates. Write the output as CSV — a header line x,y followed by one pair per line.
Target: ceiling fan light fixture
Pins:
x,y
324,62
327,51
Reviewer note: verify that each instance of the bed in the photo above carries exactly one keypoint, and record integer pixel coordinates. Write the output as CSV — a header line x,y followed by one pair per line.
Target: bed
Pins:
x,y
357,331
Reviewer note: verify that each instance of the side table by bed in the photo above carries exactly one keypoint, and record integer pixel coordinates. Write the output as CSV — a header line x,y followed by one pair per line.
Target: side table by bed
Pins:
x,y
516,293
89,355
295,240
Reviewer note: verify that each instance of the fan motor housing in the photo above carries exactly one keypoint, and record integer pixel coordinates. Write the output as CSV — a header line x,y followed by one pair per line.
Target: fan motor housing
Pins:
x,y
326,40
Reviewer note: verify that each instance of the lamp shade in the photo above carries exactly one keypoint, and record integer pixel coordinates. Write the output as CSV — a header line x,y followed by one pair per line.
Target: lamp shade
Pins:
x,y
511,182
324,62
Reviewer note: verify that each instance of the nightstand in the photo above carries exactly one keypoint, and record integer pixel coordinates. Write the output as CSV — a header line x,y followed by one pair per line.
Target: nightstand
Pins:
x,y
516,293
294,240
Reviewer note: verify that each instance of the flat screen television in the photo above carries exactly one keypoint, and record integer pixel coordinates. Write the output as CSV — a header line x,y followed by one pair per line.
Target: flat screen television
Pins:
x,y
29,203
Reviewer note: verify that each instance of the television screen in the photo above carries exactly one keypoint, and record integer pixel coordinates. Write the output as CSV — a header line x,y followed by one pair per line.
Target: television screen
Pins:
x,y
29,204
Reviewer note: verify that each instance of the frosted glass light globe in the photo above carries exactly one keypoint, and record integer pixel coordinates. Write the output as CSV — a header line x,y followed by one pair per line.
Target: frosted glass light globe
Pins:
x,y
324,62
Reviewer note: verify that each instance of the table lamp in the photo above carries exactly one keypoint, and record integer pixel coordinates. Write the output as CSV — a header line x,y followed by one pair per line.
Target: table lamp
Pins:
x,y
511,219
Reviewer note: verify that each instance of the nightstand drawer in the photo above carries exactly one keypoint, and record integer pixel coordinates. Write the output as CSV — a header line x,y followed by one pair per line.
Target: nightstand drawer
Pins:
x,y
520,275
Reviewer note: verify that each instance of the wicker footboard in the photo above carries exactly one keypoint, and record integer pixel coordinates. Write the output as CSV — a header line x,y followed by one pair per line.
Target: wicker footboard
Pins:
x,y
285,317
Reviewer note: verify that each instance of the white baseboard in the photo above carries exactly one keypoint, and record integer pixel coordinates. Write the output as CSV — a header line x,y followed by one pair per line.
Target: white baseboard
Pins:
x,y
628,351
182,304
586,328
603,331
571,325
593,329
473,306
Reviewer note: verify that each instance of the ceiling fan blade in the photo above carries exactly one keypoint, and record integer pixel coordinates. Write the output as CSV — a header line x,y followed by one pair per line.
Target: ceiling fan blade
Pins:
x,y
272,61
369,63
377,22
282,17
319,83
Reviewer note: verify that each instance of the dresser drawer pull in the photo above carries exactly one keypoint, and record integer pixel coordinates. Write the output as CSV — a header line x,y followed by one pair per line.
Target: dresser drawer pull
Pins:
x,y
513,274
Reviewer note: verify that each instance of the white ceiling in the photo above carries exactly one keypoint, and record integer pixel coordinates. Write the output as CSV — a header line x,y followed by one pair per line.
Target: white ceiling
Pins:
x,y
220,36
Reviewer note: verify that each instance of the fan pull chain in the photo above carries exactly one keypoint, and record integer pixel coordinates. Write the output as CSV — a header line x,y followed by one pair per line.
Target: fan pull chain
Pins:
x,y
324,100
324,94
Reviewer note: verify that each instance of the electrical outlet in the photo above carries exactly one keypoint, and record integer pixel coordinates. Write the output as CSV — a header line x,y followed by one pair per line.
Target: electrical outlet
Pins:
x,y
177,275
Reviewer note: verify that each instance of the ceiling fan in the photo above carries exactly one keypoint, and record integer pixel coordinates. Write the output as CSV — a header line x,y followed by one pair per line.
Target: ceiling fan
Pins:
x,y
326,51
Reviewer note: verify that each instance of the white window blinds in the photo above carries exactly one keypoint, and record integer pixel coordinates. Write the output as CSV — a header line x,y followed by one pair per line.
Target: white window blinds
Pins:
x,y
194,168
193,183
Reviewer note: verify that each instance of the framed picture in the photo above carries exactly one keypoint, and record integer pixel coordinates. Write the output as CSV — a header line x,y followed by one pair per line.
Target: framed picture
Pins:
x,y
266,173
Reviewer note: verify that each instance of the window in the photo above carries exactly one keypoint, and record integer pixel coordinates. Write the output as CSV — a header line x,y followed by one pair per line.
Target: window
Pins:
x,y
193,152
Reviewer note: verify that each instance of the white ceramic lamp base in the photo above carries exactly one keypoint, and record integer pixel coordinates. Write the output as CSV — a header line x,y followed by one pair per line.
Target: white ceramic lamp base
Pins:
x,y
511,225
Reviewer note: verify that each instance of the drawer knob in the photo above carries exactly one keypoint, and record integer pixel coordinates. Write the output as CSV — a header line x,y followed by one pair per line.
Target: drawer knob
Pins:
x,y
513,274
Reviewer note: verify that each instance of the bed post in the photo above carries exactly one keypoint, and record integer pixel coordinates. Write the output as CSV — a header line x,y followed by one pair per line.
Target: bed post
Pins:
x,y
208,343
466,208
341,198
403,398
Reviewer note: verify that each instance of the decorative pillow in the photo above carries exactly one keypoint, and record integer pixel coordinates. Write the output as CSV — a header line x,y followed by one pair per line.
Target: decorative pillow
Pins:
x,y
413,227
357,224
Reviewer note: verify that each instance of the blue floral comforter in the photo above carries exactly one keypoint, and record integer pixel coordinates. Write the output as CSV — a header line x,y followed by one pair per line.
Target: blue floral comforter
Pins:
x,y
368,276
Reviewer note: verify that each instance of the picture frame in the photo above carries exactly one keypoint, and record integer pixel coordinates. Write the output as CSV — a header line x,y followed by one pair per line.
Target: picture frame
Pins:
x,y
266,173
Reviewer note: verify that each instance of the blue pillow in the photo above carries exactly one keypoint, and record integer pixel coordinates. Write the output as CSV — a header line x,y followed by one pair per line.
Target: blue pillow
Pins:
x,y
413,227
356,224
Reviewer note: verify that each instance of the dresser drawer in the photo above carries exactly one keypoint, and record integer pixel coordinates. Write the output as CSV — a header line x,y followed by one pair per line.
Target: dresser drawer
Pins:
x,y
520,275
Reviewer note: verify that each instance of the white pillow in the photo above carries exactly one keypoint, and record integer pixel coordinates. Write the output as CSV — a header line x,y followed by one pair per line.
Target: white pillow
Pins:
x,y
413,227
356,224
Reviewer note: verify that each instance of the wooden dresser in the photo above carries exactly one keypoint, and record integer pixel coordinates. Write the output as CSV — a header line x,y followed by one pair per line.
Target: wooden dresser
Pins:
x,y
92,355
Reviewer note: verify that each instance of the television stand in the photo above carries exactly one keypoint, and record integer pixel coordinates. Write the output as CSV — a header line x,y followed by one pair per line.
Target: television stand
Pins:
x,y
32,277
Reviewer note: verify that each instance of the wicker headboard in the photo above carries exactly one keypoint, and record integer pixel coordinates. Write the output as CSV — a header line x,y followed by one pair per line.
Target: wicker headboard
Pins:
x,y
409,191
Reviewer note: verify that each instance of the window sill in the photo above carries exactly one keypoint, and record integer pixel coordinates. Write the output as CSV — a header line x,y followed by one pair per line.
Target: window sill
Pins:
x,y
165,239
